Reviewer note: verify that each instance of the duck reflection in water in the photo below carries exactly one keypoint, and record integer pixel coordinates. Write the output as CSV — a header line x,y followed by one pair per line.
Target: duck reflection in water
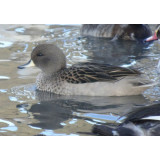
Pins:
x,y
53,111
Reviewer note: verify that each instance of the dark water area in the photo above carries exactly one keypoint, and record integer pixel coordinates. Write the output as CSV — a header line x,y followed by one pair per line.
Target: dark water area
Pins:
x,y
26,111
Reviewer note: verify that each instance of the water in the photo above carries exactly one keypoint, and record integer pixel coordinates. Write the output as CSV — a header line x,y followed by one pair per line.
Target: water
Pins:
x,y
24,111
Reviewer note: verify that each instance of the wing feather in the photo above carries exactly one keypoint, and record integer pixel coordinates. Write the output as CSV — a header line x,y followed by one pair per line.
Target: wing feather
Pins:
x,y
92,72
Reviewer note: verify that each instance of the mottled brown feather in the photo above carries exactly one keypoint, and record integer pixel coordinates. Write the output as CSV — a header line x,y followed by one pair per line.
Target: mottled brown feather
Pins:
x,y
92,72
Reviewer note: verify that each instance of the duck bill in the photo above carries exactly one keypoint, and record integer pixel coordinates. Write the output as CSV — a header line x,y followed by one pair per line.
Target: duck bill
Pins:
x,y
152,38
28,64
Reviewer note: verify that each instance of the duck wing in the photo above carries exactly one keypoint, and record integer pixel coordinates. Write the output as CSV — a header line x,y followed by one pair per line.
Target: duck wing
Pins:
x,y
93,72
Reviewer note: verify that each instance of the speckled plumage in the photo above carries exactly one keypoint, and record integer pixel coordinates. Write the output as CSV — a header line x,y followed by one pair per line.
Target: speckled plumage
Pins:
x,y
88,79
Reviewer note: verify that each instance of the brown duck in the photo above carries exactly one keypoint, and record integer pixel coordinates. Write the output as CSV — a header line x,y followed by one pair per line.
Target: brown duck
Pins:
x,y
88,79
136,32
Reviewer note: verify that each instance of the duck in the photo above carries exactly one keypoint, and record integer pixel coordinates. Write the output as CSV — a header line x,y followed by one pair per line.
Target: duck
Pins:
x,y
144,121
134,32
155,36
85,78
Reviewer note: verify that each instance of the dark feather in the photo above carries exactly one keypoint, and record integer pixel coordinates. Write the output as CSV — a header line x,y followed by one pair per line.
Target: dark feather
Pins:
x,y
93,72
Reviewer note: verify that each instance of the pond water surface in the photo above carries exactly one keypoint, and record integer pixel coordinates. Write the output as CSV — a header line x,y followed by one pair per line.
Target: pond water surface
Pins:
x,y
24,111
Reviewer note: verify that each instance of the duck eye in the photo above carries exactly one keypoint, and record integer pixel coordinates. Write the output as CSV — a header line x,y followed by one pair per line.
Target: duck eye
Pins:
x,y
40,54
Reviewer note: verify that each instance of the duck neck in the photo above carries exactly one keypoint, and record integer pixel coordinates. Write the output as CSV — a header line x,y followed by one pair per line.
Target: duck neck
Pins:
x,y
53,73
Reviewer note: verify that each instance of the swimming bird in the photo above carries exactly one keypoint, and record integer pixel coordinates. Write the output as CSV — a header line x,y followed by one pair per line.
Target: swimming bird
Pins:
x,y
144,121
137,32
90,79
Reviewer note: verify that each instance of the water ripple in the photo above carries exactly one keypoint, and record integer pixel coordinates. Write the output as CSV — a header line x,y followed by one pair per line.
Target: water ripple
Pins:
x,y
20,30
3,90
52,133
11,126
4,44
4,77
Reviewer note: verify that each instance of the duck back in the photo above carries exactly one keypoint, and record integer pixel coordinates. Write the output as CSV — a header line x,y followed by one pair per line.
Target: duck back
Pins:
x,y
117,31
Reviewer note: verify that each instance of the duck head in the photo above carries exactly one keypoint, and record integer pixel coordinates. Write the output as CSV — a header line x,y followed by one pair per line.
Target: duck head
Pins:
x,y
48,57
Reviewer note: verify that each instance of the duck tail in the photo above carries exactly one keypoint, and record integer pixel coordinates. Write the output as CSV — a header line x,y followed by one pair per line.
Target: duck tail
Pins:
x,y
145,84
